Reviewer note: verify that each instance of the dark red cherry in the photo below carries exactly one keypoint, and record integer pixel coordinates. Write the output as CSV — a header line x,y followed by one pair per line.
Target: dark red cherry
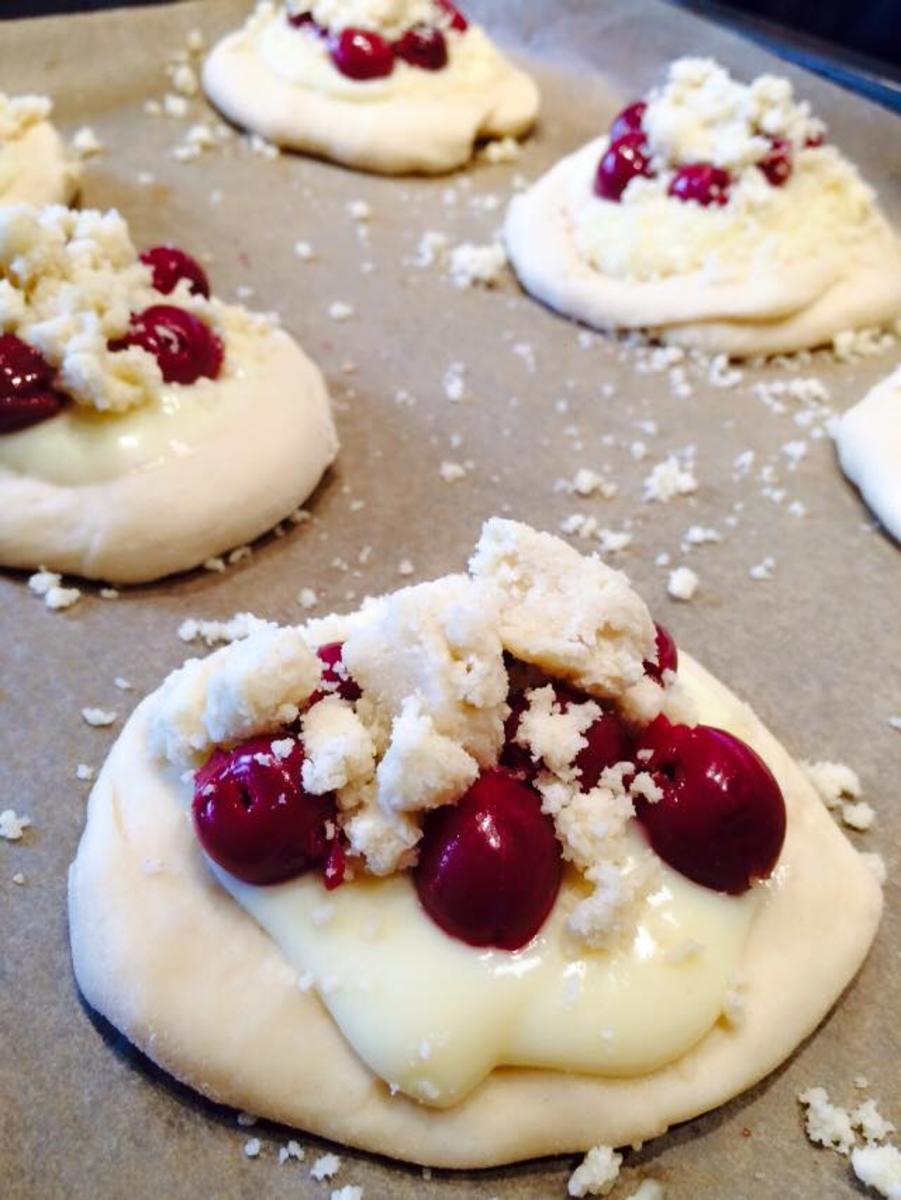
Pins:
x,y
627,121
609,743
423,46
334,674
253,817
490,866
667,655
335,866
359,54
513,756
170,265
620,163
814,141
777,163
457,20
184,346
721,821
26,392
701,182
299,19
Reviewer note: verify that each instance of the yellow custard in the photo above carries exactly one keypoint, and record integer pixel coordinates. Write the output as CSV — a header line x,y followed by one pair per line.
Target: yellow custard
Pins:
x,y
433,1016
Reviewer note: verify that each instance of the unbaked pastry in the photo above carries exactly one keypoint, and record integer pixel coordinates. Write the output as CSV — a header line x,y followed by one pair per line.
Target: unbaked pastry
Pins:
x,y
712,215
391,86
144,425
868,438
35,166
401,706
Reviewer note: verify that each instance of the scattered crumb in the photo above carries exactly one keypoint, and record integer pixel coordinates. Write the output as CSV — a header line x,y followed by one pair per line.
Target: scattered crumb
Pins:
x,y
48,585
879,1167
825,1123
99,718
668,479
359,210
451,472
291,1152
859,816
19,879
471,264
596,1174
405,567
325,1167
500,150
683,583
303,250
648,1189
246,1119
307,598
122,684
84,772
252,1147
763,570
241,625
108,593
339,311
85,143
348,1192
12,826
835,783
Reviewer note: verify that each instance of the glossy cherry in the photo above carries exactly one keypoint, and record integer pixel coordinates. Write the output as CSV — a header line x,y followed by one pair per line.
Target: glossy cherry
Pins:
x,y
627,121
457,21
26,391
609,743
702,183
777,162
620,163
721,821
423,46
360,54
183,345
490,866
335,675
253,817
170,265
667,655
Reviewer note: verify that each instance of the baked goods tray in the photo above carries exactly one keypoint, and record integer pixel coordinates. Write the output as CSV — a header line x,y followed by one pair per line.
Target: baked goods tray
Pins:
x,y
815,646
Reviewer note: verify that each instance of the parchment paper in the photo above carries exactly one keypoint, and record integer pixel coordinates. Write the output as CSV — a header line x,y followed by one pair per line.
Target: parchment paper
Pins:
x,y
816,648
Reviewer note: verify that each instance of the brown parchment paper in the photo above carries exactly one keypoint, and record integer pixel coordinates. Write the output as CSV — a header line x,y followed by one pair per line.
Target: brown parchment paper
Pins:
x,y
817,648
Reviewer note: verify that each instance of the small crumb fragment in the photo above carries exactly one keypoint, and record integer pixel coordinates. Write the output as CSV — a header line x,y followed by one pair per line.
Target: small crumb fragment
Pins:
x,y
763,570
246,1119
879,1167
84,772
596,1174
303,250
12,825
292,1151
451,472
359,210
348,1192
19,879
48,585
325,1167
85,143
339,311
471,264
683,583
405,567
307,598
825,1123
834,782
252,1147
500,150
667,480
648,1189
99,718
108,593
859,816
122,684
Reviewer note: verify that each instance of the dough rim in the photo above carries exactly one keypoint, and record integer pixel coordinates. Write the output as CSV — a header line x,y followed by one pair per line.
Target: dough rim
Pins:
x,y
191,929
390,137
153,522
736,319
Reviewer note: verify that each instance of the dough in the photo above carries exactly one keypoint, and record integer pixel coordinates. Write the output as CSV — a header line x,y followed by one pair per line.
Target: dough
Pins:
x,y
157,946
279,82
251,468
774,270
868,439
35,167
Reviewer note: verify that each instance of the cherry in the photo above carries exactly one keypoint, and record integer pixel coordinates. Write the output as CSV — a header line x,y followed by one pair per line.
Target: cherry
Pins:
x,y
721,821
26,391
517,758
423,46
627,121
457,20
490,866
620,163
667,655
253,817
609,743
701,182
299,19
359,54
183,345
777,162
814,141
170,265
334,673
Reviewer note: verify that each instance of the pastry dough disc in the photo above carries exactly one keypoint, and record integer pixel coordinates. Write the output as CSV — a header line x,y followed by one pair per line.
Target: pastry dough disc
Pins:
x,y
158,947
36,168
176,513
390,136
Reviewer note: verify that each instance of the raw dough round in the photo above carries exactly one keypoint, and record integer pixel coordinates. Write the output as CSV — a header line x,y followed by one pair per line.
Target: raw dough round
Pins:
x,y
157,946
769,312
35,168
429,125
186,505
868,439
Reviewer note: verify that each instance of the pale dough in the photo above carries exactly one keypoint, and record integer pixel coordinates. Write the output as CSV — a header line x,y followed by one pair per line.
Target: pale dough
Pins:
x,y
35,168
158,946
868,439
430,128
772,313
188,504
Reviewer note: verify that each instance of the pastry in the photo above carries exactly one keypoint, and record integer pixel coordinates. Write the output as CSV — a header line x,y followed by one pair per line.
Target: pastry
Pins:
x,y
35,167
391,86
482,872
145,425
713,214
868,438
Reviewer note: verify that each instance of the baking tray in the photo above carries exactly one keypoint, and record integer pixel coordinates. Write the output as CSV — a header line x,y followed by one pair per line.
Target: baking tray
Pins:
x,y
816,647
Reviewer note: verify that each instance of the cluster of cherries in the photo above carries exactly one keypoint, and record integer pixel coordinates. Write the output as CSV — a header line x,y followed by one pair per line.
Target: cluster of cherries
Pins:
x,y
363,54
628,156
184,346
490,866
